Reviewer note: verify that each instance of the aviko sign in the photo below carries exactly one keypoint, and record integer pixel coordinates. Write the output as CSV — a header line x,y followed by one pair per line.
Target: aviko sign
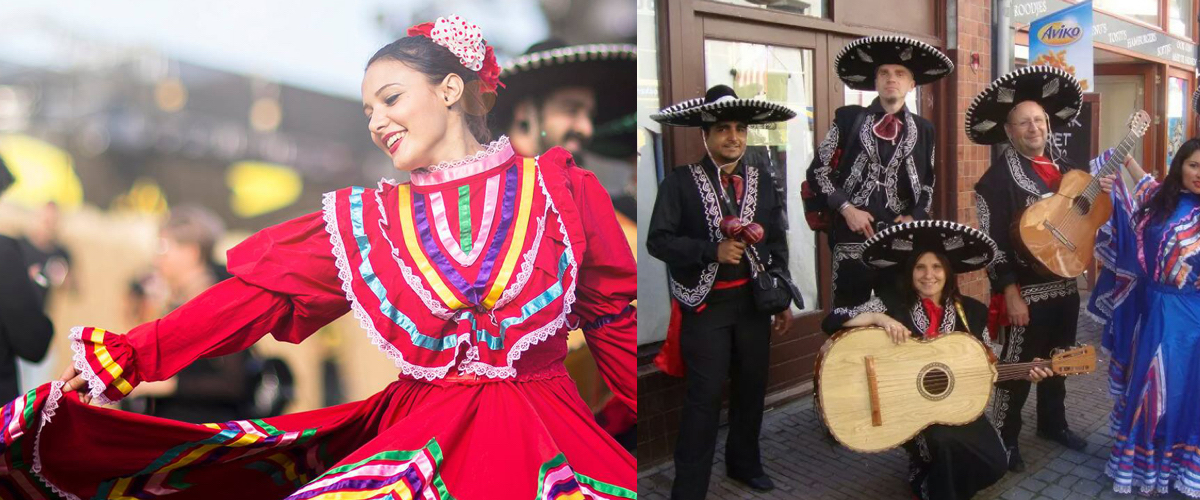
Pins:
x,y
1058,33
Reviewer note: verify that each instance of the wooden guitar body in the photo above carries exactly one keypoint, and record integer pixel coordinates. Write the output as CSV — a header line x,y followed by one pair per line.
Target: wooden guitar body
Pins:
x,y
875,395
1058,233
906,404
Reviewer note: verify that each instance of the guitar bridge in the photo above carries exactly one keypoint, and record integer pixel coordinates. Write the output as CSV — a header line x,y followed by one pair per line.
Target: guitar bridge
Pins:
x,y
1059,236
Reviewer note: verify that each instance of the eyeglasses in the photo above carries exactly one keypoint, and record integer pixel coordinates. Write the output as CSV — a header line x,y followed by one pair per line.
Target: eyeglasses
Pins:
x,y
1039,121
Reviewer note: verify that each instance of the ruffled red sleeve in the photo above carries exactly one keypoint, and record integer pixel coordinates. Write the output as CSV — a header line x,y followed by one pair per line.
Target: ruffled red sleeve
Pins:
x,y
284,283
607,283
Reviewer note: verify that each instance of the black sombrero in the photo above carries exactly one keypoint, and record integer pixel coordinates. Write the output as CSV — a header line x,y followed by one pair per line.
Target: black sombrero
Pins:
x,y
1054,89
609,69
720,103
967,248
858,61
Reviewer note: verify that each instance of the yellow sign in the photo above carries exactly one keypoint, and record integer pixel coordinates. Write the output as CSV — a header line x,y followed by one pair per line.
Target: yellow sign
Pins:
x,y
43,172
259,188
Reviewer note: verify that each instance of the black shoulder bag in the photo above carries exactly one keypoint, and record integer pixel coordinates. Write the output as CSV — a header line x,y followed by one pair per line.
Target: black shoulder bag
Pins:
x,y
773,289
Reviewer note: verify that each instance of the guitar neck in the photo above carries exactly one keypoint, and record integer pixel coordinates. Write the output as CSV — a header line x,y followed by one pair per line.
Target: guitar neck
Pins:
x,y
1118,158
1014,371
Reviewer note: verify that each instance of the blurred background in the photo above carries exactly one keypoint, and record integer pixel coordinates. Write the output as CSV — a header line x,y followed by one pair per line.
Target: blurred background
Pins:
x,y
146,138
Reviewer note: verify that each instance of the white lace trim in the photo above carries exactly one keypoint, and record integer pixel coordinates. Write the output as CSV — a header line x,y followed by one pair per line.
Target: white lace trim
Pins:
x,y
492,148
545,331
95,385
48,410
329,213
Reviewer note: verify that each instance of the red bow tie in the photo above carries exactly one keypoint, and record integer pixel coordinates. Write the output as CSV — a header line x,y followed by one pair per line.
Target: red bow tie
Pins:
x,y
887,128
738,185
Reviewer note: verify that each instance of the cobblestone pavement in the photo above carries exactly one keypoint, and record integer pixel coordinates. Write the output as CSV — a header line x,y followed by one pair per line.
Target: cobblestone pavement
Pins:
x,y
805,465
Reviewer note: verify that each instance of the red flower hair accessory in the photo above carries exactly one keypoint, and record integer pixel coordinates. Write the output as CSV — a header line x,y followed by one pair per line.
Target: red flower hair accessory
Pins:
x,y
466,42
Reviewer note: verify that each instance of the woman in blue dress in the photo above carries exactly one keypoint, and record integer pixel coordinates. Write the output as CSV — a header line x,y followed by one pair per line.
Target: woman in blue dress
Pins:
x,y
1148,296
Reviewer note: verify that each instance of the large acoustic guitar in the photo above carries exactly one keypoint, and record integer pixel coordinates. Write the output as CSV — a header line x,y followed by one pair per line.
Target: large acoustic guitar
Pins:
x,y
876,395
1057,233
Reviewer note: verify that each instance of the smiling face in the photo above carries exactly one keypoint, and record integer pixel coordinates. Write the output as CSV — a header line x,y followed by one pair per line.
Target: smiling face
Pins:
x,y
406,114
1191,173
566,118
929,277
726,141
1027,128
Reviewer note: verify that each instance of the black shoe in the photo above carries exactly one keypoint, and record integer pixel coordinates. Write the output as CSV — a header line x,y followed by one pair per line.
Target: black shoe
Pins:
x,y
760,483
1015,462
1066,438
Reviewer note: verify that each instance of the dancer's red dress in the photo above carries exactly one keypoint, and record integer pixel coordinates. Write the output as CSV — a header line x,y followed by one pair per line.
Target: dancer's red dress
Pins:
x,y
468,278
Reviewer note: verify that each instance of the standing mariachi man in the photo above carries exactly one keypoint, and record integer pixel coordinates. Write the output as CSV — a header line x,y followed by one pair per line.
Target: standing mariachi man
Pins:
x,y
875,166
1018,110
712,220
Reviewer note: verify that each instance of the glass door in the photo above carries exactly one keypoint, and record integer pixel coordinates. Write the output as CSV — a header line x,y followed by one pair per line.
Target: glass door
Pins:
x,y
781,75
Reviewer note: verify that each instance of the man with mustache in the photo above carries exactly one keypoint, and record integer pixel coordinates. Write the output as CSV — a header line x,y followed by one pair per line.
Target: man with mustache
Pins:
x,y
710,220
1018,110
557,94
875,166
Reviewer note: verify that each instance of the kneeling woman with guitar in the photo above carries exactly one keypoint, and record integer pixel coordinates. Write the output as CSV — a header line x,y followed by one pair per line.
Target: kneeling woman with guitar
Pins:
x,y
946,461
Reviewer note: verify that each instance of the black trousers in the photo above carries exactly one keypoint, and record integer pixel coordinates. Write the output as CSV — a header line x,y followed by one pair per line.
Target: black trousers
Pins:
x,y
949,462
1053,318
729,339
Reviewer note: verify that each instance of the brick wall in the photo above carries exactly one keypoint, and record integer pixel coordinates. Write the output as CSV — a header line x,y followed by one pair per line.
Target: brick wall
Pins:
x,y
971,160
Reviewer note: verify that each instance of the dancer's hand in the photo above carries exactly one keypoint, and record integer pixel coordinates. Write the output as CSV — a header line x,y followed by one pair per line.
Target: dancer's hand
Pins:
x,y
75,381
1018,310
1039,373
730,251
859,221
1106,183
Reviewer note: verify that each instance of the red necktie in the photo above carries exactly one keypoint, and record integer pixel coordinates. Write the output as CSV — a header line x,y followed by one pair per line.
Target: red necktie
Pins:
x,y
887,128
738,185
1048,171
935,318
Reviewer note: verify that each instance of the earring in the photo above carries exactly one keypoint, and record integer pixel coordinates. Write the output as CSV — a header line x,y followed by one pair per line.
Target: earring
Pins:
x,y
543,133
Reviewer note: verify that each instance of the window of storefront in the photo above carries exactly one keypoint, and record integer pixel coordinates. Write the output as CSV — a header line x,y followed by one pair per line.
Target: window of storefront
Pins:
x,y
1145,11
1177,112
1180,18
783,75
812,8
653,300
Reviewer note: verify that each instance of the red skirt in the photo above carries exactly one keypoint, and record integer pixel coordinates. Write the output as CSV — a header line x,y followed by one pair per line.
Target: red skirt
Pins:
x,y
527,438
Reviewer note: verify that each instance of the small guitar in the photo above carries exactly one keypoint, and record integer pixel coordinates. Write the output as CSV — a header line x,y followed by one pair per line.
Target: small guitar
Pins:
x,y
1057,234
876,395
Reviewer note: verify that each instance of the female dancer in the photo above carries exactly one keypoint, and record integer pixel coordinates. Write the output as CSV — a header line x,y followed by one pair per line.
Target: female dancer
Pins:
x,y
468,277
1148,296
945,462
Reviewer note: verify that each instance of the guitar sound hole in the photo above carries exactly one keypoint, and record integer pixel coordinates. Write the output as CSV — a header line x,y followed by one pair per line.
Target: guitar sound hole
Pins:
x,y
1082,205
935,381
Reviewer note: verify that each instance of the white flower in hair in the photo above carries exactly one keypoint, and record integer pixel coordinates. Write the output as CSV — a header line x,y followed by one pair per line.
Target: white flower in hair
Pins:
x,y
462,38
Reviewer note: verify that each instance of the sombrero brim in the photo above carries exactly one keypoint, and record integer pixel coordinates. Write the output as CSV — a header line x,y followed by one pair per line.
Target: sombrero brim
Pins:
x,y
609,69
1196,100
695,113
859,60
967,248
1054,89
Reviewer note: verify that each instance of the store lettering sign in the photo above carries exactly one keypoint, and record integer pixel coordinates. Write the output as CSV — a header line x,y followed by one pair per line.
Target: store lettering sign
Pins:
x,y
1060,33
